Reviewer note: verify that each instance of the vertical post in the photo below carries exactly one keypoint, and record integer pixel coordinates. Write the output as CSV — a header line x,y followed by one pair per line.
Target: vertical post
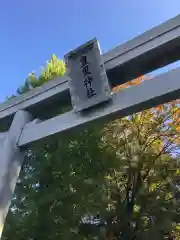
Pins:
x,y
11,159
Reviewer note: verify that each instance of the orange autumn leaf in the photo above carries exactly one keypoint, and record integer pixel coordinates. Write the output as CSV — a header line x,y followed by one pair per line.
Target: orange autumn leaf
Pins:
x,y
178,128
137,81
160,108
119,87
177,113
130,83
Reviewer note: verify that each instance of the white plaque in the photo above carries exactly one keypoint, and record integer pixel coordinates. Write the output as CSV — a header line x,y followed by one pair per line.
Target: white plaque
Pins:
x,y
88,80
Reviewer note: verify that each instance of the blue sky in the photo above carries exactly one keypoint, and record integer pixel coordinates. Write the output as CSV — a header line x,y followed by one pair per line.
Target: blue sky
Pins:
x,y
31,31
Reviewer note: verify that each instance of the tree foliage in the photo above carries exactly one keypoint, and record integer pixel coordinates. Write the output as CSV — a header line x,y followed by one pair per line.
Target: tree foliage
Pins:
x,y
54,68
125,173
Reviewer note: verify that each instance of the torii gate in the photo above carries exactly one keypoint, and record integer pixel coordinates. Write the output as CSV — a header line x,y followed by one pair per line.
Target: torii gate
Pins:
x,y
19,117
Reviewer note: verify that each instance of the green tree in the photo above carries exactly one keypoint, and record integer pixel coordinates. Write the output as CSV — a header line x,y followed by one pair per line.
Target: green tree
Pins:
x,y
126,171
54,68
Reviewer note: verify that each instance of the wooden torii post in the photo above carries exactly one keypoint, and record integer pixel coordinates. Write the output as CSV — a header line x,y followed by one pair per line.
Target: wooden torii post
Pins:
x,y
18,125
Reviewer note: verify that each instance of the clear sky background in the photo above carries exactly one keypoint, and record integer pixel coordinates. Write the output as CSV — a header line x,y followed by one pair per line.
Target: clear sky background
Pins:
x,y
32,30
